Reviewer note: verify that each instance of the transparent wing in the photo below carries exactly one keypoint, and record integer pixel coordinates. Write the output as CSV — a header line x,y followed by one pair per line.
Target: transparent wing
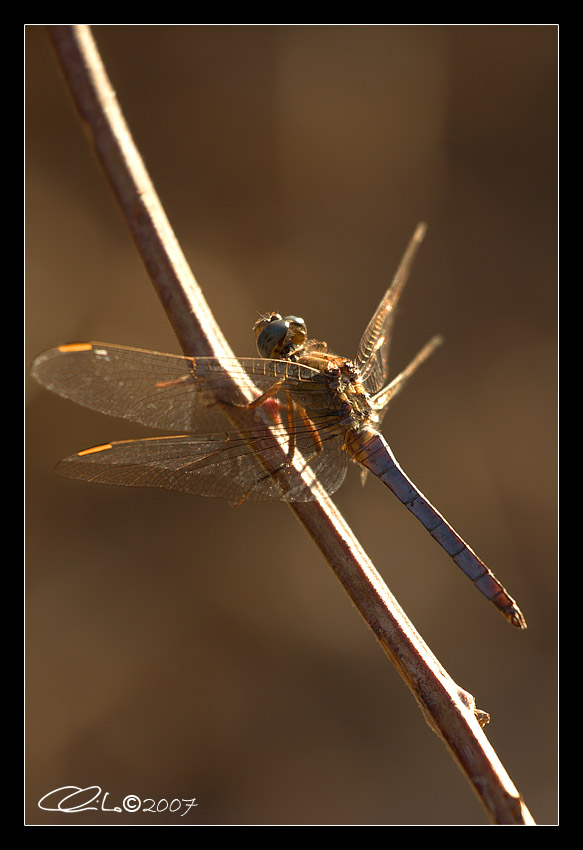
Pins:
x,y
382,399
372,357
226,466
294,422
165,390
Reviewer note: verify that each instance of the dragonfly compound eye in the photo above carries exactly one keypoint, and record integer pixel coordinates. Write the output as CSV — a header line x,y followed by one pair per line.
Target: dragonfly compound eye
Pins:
x,y
278,338
297,330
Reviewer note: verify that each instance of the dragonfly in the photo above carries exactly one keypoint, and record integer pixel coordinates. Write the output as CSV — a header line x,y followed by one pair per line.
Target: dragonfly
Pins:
x,y
283,426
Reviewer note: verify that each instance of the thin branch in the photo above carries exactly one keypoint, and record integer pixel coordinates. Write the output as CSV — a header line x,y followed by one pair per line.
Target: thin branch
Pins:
x,y
449,710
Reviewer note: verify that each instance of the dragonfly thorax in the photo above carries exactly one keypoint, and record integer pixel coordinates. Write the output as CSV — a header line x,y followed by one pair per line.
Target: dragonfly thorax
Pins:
x,y
351,400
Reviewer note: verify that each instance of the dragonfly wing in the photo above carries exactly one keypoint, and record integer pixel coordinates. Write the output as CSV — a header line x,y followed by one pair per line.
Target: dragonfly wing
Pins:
x,y
226,466
373,350
164,390
381,399
202,395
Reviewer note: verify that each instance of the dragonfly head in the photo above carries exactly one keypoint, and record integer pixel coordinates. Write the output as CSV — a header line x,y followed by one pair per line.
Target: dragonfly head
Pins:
x,y
278,338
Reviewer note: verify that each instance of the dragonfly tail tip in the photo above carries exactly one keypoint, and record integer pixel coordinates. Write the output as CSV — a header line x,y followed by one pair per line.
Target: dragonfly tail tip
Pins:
x,y
516,617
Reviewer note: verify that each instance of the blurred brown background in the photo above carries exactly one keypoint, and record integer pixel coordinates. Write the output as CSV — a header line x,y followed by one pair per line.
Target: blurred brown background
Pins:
x,y
178,647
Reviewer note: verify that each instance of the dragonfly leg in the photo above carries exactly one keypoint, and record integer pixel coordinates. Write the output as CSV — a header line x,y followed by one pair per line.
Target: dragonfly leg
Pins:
x,y
275,388
291,408
312,430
